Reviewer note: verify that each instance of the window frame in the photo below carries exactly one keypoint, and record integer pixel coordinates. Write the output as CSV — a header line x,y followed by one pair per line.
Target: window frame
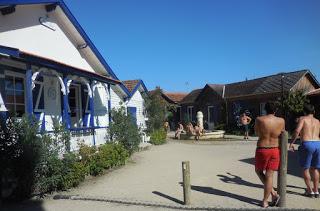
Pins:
x,y
23,77
209,120
190,116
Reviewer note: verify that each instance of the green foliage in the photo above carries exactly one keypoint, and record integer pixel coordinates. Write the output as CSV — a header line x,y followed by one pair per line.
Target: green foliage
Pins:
x,y
158,137
61,136
156,112
33,163
123,130
294,102
105,157
20,150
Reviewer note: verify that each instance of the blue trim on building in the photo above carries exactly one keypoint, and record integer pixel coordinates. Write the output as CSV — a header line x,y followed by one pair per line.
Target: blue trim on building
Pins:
x,y
65,112
137,87
29,103
91,102
76,25
31,59
17,2
9,51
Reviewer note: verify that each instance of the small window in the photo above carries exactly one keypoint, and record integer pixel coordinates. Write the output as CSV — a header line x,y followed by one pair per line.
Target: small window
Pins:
x,y
262,109
15,95
190,113
210,114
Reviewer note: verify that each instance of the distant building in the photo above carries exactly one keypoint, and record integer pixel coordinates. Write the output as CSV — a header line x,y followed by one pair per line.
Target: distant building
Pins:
x,y
223,103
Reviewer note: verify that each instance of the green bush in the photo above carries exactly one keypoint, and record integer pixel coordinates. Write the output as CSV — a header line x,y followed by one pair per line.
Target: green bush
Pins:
x,y
158,137
20,151
113,155
156,111
33,163
123,130
105,157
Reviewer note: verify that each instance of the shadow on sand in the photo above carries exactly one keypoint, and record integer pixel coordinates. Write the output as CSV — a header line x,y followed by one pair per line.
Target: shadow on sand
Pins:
x,y
30,205
167,197
293,164
234,179
213,191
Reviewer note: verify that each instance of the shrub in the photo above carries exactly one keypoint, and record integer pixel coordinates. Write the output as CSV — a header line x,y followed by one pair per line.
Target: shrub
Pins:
x,y
158,137
105,157
21,150
113,155
156,111
123,130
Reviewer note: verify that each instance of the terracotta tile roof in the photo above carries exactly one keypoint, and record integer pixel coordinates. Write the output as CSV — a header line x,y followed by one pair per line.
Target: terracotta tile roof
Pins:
x,y
191,97
268,84
175,96
131,84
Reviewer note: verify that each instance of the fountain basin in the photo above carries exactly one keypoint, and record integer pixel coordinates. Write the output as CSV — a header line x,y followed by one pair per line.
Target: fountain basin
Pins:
x,y
208,135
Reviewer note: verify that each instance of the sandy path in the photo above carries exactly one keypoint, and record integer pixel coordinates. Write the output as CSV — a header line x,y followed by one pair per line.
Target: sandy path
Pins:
x,y
222,175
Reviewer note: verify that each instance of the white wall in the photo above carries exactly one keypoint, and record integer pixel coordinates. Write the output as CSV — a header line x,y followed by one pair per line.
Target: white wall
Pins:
x,y
116,100
101,97
137,101
52,106
22,30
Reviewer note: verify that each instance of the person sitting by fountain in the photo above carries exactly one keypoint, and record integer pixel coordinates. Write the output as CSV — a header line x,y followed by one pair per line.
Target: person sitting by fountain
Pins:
x,y
190,129
198,131
179,131
166,126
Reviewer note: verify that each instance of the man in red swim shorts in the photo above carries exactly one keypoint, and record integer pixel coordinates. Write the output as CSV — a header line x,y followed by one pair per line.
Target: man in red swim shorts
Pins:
x,y
267,159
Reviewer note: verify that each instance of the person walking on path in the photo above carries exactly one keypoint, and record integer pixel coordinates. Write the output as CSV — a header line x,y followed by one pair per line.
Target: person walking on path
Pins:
x,y
309,151
267,157
245,121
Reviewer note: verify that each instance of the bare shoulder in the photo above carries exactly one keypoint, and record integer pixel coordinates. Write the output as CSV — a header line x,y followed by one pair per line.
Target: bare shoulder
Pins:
x,y
259,118
280,119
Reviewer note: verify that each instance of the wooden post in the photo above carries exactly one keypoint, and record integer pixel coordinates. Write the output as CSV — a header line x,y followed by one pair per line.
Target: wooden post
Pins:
x,y
186,182
282,173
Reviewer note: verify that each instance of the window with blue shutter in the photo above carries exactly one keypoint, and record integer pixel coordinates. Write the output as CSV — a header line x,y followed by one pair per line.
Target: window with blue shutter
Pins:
x,y
133,113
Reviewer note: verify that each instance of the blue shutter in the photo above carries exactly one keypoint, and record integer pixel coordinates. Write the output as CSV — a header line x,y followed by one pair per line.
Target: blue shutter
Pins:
x,y
133,113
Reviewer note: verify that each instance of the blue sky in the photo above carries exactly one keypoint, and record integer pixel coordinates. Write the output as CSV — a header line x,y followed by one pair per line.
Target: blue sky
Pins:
x,y
181,45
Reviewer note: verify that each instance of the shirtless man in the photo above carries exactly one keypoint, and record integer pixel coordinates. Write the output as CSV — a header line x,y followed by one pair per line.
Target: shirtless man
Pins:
x,y
309,151
245,121
179,130
267,158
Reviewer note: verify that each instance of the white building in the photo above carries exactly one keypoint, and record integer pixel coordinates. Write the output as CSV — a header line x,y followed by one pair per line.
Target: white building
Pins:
x,y
50,68
136,102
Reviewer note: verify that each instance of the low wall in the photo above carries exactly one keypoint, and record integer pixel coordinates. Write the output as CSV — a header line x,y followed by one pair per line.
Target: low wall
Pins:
x,y
207,135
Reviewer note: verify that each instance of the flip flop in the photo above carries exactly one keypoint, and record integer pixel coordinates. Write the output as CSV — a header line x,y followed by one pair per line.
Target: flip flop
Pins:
x,y
275,202
310,195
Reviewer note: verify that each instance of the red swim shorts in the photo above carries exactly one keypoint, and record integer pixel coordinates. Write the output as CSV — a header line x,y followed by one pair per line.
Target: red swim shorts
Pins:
x,y
267,159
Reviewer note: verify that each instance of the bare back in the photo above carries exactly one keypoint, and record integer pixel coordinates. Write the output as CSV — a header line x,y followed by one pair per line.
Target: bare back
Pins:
x,y
269,128
309,128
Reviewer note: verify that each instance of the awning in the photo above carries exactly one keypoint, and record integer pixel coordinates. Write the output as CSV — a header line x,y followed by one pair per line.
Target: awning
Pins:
x,y
33,59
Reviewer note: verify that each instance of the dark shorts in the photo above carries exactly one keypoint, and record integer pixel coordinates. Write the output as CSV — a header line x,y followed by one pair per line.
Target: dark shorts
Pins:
x,y
309,154
267,159
246,128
